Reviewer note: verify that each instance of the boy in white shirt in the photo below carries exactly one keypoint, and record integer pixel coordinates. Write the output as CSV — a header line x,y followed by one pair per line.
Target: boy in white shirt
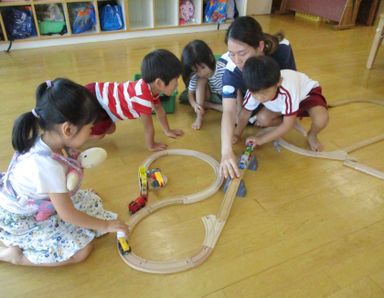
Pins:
x,y
285,95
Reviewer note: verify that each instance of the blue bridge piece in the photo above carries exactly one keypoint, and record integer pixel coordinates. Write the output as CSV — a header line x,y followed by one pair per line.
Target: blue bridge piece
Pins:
x,y
242,191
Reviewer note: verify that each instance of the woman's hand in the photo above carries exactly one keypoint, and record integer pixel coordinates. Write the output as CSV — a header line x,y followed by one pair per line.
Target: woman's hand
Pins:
x,y
228,166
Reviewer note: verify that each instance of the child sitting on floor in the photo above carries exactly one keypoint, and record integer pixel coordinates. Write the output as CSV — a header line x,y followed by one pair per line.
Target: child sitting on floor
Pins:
x,y
60,122
286,94
203,76
160,70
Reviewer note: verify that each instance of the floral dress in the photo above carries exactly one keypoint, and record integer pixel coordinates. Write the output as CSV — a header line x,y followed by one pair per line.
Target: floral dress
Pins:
x,y
50,240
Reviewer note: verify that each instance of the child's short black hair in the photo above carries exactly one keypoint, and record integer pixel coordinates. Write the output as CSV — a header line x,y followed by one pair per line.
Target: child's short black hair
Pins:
x,y
195,53
260,72
160,64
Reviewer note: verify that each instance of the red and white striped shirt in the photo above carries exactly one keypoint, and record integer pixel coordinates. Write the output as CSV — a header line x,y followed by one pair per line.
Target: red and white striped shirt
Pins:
x,y
294,88
125,100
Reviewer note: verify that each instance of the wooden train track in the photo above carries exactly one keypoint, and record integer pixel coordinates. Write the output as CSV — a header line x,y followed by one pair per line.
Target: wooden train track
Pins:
x,y
343,154
213,224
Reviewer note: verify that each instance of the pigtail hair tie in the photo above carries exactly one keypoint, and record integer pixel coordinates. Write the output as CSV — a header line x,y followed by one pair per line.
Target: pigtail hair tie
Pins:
x,y
49,83
34,113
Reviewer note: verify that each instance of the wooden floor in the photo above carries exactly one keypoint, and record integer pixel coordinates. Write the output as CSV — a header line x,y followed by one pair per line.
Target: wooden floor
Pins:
x,y
307,227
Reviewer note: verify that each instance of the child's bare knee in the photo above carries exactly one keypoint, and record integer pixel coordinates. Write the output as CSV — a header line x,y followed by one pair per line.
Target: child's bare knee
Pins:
x,y
321,117
263,120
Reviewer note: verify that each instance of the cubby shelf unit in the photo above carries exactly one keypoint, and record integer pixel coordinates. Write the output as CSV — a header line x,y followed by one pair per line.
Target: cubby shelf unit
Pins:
x,y
141,18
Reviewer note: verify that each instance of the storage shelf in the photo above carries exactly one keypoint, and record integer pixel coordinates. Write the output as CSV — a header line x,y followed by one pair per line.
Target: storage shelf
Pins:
x,y
151,17
166,13
140,14
24,3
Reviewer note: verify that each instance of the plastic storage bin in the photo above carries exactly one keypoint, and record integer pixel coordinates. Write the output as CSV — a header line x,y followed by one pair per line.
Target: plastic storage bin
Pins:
x,y
47,27
168,102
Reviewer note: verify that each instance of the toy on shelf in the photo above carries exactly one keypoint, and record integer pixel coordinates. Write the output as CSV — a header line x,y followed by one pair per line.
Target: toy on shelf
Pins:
x,y
123,244
187,11
148,180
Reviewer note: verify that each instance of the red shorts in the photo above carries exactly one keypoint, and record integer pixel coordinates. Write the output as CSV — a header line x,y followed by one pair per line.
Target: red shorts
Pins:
x,y
103,125
315,98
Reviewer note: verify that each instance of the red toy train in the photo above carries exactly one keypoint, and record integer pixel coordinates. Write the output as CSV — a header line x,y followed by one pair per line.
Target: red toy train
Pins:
x,y
156,180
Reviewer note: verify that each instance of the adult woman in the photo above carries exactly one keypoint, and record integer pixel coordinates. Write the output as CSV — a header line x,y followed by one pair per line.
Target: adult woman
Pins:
x,y
245,38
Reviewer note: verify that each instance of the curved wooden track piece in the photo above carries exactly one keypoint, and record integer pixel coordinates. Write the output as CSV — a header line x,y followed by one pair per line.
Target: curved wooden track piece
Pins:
x,y
342,154
337,154
213,224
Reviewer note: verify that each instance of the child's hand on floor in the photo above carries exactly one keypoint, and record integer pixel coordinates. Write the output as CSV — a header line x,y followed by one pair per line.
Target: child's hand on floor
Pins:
x,y
173,133
157,147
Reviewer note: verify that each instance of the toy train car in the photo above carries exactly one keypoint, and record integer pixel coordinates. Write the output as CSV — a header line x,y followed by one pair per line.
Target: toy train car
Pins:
x,y
123,244
157,181
137,204
143,182
246,156
157,178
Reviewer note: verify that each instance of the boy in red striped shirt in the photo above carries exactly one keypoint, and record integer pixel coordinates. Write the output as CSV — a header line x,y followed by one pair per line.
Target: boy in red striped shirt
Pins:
x,y
160,71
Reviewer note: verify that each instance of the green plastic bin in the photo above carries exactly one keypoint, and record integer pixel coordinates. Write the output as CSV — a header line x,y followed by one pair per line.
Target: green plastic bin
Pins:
x,y
168,102
47,27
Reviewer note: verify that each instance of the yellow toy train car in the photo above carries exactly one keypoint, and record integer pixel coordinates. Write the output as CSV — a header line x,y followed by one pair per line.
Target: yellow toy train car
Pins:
x,y
143,182
123,244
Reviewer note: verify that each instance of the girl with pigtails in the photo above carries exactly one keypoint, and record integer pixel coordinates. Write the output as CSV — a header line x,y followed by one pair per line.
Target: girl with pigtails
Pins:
x,y
46,140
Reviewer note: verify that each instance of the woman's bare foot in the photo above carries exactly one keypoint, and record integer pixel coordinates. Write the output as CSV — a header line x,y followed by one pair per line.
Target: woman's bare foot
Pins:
x,y
314,143
11,254
198,122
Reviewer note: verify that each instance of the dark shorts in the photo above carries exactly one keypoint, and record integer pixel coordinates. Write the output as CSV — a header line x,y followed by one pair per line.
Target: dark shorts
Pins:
x,y
214,98
315,98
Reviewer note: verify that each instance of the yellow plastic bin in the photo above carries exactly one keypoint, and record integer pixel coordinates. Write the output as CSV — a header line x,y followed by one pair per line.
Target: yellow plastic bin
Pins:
x,y
168,102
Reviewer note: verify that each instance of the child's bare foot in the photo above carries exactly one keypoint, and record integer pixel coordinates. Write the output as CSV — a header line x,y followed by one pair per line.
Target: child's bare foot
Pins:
x,y
198,122
11,254
314,143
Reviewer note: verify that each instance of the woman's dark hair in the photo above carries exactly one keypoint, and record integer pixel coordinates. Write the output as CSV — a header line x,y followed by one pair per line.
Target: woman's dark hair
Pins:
x,y
260,72
195,53
246,29
57,101
160,64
